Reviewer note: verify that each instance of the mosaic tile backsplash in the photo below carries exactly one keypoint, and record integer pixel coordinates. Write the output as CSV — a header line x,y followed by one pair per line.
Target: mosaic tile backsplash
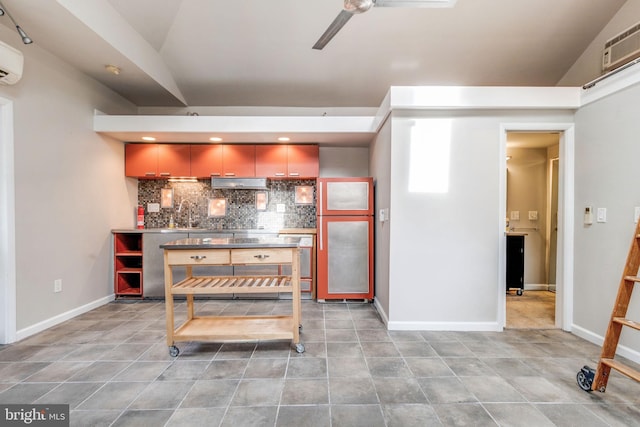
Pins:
x,y
241,212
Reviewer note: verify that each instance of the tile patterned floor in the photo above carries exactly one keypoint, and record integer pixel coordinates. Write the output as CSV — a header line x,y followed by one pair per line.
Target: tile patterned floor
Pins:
x,y
531,310
112,367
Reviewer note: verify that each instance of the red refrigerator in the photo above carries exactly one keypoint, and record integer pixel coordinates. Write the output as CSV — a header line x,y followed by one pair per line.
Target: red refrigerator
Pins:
x,y
345,238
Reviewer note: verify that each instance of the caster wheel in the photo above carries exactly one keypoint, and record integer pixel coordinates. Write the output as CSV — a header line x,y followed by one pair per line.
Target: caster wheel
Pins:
x,y
173,351
300,348
585,378
519,292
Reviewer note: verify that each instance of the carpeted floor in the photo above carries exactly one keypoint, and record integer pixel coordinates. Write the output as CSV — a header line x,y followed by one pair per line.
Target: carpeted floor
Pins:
x,y
531,310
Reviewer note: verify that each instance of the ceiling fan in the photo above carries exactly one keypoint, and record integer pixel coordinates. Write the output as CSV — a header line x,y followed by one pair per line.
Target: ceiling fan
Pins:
x,y
352,7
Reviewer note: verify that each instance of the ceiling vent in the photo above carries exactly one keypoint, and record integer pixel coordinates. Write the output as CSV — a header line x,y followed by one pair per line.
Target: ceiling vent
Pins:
x,y
621,49
11,62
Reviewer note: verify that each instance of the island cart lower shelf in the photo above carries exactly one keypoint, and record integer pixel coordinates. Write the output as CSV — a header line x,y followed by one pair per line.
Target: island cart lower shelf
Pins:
x,y
203,252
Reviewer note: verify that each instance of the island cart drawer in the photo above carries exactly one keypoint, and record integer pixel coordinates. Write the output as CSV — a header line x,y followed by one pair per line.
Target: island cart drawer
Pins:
x,y
261,256
200,257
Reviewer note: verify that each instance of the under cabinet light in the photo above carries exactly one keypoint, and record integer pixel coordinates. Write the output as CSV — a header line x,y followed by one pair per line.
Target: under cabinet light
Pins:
x,y
183,179
148,138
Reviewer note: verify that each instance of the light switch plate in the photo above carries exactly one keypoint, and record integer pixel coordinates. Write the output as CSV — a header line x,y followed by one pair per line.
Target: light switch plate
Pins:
x,y
280,208
533,215
601,215
384,215
515,215
153,207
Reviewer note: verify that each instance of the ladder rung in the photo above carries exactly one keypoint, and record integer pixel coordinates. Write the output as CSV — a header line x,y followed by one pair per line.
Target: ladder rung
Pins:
x,y
632,278
622,368
630,323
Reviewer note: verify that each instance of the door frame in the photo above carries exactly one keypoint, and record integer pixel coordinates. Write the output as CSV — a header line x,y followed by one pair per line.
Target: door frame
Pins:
x,y
7,226
551,199
566,220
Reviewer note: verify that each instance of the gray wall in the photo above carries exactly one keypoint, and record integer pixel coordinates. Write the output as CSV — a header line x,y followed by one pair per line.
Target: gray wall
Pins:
x,y
606,176
338,162
69,187
381,170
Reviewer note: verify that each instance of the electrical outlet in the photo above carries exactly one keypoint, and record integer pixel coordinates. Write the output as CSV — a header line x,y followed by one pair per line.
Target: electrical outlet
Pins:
x,y
57,285
280,207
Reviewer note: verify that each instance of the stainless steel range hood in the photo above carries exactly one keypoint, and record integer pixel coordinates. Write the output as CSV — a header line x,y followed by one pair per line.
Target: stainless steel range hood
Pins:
x,y
238,183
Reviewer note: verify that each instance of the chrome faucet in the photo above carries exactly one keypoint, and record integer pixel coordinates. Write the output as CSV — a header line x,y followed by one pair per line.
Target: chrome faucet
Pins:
x,y
188,211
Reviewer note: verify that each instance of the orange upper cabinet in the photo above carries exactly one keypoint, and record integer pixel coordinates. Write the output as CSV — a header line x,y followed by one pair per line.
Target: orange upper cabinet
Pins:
x,y
157,160
271,161
206,160
141,160
303,161
230,160
239,160
281,161
174,160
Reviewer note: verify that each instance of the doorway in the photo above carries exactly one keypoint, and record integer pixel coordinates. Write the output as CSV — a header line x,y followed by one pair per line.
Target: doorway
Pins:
x,y
531,208
553,230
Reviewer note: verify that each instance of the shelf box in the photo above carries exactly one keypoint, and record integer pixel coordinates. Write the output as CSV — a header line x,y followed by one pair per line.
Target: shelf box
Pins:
x,y
128,282
128,262
128,243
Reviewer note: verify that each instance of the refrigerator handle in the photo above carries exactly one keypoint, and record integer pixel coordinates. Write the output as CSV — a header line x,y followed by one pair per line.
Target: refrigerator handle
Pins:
x,y
320,213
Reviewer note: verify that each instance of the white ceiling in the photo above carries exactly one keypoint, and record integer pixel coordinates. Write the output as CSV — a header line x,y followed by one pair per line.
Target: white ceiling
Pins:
x,y
258,52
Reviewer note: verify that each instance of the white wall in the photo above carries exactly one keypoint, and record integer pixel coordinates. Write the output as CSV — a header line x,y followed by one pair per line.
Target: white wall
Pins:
x,y
607,176
444,249
69,188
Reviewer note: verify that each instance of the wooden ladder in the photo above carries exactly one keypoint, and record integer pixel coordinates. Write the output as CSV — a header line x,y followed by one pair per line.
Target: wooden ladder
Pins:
x,y
590,379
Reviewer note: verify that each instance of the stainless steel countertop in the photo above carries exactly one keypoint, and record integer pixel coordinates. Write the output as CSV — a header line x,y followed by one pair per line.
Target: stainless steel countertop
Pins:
x,y
233,243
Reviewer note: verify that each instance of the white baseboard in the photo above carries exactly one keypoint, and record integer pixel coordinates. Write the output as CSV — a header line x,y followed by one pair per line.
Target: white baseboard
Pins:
x,y
444,326
536,287
434,326
53,321
622,350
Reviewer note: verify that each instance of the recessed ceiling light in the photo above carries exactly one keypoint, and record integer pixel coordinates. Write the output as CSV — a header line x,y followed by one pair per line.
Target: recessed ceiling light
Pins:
x,y
112,69
148,138
215,139
284,139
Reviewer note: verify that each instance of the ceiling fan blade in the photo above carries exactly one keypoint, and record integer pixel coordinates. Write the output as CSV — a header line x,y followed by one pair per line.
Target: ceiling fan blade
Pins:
x,y
333,29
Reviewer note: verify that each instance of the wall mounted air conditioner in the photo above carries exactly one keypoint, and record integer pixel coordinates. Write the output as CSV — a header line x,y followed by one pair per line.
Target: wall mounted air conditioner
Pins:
x,y
11,62
621,49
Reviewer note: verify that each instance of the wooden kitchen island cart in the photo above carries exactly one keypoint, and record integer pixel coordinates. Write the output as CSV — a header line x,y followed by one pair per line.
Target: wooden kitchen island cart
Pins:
x,y
191,252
